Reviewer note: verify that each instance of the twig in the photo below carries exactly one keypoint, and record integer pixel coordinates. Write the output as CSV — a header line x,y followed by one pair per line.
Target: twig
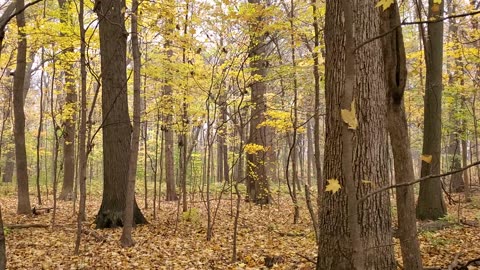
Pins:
x,y
473,13
417,181
307,258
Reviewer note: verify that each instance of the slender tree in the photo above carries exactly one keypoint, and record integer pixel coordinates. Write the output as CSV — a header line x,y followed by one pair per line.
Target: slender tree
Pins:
x,y
396,77
126,238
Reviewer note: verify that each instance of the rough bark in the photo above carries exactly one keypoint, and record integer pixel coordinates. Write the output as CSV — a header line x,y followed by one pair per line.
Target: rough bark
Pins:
x,y
257,181
364,240
430,203
116,122
396,76
23,206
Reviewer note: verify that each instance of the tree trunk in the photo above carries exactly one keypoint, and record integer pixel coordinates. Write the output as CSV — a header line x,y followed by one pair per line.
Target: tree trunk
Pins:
x,y
116,122
82,134
316,116
168,134
3,251
69,112
126,238
258,190
19,115
430,203
364,240
396,76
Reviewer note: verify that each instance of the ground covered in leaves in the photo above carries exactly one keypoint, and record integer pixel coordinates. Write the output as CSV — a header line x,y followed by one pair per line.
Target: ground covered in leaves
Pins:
x,y
178,241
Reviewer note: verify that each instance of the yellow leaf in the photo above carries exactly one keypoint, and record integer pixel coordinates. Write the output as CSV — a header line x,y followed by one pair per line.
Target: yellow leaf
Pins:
x,y
426,158
438,2
123,10
386,3
349,117
333,186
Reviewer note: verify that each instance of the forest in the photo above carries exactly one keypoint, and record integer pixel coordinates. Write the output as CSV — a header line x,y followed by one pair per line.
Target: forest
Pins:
x,y
240,134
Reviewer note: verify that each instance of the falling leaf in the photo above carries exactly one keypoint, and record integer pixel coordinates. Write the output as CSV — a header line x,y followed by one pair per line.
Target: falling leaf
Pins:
x,y
426,158
438,2
333,186
349,117
386,3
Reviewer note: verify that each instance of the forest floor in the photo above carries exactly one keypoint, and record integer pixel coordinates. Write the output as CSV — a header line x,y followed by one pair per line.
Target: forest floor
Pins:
x,y
172,241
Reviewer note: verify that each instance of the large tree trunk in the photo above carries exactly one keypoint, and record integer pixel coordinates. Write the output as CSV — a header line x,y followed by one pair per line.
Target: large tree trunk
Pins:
x,y
19,115
347,240
69,112
396,77
430,203
116,122
257,181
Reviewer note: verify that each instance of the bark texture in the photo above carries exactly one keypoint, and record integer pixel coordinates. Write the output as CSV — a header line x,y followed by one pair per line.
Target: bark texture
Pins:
x,y
257,181
116,122
368,145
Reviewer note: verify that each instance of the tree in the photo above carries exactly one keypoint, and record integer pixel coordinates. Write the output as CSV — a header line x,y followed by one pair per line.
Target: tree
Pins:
x,y
3,252
168,129
396,77
68,114
126,238
23,206
430,203
355,142
116,123
257,181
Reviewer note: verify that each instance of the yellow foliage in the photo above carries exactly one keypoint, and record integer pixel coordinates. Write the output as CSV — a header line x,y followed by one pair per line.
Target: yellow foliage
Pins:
x,y
252,148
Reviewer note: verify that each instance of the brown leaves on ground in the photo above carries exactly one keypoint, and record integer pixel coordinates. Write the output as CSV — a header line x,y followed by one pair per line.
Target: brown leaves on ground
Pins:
x,y
265,237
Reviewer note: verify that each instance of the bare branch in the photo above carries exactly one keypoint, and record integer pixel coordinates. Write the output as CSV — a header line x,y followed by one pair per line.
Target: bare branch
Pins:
x,y
417,181
472,13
